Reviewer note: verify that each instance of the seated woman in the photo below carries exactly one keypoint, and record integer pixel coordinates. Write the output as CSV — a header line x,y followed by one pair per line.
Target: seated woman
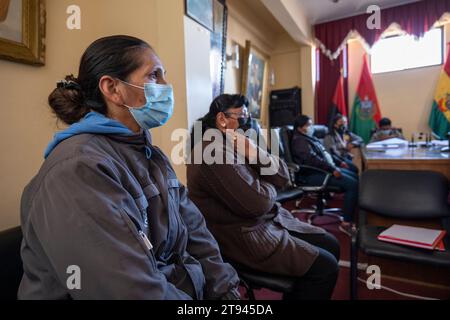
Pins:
x,y
107,202
307,150
339,142
238,202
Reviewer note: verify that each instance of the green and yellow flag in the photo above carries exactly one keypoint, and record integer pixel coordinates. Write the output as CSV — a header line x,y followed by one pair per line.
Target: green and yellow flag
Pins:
x,y
440,112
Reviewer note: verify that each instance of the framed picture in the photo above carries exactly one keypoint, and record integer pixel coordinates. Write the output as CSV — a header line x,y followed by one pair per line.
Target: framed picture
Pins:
x,y
202,12
218,47
254,76
22,31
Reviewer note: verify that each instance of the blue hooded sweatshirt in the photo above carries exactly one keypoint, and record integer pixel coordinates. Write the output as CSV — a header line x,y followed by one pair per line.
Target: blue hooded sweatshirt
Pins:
x,y
94,123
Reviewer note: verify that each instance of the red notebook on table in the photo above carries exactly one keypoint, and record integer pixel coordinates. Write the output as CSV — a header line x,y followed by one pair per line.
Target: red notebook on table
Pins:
x,y
415,237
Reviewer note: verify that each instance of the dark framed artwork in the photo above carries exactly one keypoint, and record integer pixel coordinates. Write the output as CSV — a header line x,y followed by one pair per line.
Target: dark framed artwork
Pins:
x,y
22,31
201,11
254,75
218,47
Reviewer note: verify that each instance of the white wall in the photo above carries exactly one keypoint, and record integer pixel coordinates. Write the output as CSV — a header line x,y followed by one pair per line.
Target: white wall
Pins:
x,y
198,71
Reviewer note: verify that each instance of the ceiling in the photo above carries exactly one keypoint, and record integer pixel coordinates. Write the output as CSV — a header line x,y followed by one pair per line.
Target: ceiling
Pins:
x,y
261,13
319,11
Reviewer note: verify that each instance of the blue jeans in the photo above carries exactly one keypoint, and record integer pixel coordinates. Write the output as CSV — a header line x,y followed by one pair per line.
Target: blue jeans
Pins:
x,y
348,182
351,166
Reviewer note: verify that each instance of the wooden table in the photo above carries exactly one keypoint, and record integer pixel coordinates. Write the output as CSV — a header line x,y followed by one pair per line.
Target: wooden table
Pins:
x,y
406,158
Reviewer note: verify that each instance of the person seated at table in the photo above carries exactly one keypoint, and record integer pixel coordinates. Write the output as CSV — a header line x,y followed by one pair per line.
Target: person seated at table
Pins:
x,y
238,201
386,131
307,150
339,142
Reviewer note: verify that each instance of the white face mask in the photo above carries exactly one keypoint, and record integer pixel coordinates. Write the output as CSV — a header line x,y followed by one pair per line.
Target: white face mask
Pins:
x,y
310,131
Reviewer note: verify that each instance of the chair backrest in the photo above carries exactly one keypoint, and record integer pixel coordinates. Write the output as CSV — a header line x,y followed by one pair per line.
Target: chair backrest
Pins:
x,y
286,134
11,269
404,194
320,131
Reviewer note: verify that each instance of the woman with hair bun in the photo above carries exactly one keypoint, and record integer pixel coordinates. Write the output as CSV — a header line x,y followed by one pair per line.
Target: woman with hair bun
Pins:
x,y
106,217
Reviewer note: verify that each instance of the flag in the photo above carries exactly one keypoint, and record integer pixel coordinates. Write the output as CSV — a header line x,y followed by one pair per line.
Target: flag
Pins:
x,y
366,109
440,111
339,97
338,103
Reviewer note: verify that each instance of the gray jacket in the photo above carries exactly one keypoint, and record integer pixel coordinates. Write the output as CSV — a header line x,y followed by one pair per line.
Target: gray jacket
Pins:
x,y
336,143
98,204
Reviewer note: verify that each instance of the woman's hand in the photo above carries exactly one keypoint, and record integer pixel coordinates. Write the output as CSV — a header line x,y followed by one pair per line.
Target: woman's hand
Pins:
x,y
250,149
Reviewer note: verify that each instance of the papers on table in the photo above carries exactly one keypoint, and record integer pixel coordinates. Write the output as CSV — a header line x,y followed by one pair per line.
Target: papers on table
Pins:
x,y
393,143
440,143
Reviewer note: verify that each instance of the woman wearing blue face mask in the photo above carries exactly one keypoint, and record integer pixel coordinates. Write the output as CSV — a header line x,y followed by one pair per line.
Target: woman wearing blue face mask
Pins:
x,y
107,201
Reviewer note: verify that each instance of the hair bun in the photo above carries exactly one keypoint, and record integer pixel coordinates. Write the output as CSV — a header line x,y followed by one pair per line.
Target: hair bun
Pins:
x,y
70,82
67,100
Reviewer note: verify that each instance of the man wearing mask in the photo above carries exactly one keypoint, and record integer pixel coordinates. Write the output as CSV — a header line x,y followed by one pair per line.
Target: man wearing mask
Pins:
x,y
386,131
307,150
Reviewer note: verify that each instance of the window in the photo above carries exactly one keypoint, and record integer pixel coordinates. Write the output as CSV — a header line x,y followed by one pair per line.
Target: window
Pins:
x,y
405,52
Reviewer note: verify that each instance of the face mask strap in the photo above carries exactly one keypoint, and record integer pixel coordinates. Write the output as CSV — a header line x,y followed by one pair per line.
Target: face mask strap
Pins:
x,y
132,85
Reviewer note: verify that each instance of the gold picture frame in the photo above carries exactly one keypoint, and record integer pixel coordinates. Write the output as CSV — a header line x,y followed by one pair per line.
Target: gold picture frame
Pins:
x,y
254,79
29,45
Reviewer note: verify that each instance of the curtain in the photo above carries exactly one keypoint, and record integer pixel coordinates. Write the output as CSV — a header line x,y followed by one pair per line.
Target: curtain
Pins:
x,y
415,18
327,76
331,37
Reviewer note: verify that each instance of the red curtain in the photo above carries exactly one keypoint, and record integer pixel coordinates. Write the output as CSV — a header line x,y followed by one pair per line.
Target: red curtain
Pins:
x,y
415,18
327,75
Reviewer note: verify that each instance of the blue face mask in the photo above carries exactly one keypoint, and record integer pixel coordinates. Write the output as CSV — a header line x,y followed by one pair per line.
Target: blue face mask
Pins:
x,y
159,107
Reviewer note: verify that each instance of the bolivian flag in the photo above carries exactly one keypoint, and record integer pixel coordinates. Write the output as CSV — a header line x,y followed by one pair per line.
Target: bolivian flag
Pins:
x,y
440,112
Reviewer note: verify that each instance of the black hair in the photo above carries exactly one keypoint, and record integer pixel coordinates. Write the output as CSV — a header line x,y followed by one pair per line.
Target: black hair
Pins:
x,y
337,117
115,56
300,121
385,122
221,103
